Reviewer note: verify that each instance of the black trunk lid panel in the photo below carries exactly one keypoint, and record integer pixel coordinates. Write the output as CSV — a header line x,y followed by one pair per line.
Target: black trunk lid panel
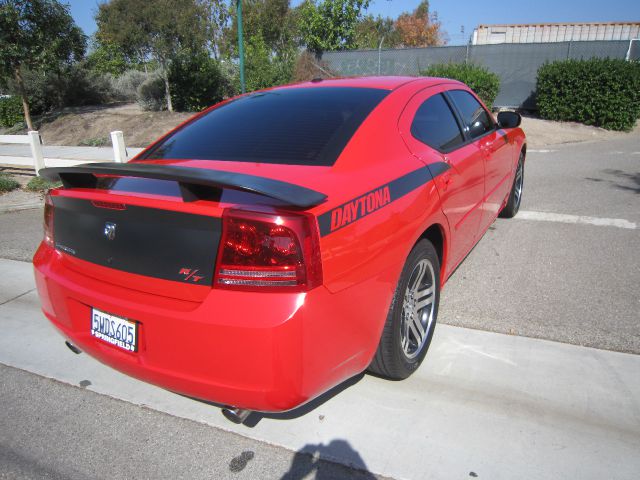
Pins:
x,y
156,243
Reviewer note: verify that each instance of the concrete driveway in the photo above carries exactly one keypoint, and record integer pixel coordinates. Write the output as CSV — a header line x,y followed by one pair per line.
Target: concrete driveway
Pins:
x,y
484,404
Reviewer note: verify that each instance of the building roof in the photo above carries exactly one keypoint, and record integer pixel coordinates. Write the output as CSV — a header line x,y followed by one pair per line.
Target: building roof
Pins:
x,y
545,24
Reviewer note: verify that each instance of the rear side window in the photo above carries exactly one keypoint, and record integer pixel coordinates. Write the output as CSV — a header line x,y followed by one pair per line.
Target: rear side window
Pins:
x,y
476,120
297,126
435,125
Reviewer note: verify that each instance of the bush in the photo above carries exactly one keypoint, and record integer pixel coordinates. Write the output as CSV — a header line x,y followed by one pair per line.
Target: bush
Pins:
x,y
125,87
39,184
7,183
265,69
95,142
150,93
196,82
485,83
81,86
11,111
600,92
72,86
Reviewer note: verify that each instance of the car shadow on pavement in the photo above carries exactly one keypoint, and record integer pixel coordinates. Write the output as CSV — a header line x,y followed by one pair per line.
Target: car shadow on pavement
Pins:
x,y
320,458
308,407
254,418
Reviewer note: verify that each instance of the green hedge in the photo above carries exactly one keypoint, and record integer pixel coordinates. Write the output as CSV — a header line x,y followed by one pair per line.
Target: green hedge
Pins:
x,y
10,111
600,92
485,83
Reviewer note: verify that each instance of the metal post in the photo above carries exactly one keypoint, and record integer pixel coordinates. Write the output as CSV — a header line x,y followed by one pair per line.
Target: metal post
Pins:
x,y
466,57
119,149
569,50
36,150
240,46
379,53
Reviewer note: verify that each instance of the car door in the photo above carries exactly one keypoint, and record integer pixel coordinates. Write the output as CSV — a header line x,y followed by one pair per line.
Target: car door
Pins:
x,y
434,134
481,128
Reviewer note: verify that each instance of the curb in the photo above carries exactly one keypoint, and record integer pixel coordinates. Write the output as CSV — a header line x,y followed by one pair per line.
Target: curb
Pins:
x,y
20,206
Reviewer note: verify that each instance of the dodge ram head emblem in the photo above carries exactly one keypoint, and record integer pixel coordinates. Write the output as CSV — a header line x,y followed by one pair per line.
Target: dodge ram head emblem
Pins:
x,y
110,230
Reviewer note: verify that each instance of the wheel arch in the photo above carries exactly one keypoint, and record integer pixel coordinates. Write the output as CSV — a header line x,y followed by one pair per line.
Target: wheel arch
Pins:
x,y
435,233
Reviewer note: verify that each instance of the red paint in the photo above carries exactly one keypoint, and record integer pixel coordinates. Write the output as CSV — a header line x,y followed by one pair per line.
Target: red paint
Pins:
x,y
274,349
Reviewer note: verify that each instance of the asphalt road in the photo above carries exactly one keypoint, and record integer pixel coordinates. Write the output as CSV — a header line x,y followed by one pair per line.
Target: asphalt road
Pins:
x,y
573,283
55,431
568,282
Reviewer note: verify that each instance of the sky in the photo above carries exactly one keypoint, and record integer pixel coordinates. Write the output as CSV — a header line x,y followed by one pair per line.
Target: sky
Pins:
x,y
456,15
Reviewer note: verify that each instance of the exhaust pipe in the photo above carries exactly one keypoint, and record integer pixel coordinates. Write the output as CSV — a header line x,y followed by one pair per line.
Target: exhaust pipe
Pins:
x,y
236,415
73,348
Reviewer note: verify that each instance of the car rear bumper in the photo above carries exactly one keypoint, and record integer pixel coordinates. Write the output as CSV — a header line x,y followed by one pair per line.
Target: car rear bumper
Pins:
x,y
258,351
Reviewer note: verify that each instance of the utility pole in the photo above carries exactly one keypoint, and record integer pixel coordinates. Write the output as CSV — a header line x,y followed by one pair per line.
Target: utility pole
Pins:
x,y
240,46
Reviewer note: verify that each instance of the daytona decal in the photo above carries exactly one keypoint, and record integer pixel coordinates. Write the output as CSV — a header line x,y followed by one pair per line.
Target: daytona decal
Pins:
x,y
359,207
365,204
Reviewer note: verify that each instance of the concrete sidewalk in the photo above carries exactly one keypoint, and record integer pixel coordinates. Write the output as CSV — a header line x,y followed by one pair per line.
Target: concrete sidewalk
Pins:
x,y
483,404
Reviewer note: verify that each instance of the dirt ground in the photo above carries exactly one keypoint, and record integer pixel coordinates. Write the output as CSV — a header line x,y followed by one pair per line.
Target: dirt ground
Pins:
x,y
91,126
544,133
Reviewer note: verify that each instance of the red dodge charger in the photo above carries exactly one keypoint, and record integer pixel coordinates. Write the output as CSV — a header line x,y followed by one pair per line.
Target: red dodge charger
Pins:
x,y
280,242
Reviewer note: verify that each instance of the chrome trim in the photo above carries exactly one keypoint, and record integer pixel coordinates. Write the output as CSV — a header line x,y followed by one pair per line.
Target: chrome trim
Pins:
x,y
259,273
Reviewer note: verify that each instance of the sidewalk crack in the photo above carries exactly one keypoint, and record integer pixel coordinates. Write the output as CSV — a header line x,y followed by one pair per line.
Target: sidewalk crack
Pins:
x,y
17,296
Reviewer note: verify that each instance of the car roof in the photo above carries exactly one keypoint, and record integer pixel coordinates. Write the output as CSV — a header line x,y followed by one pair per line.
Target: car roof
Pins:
x,y
385,83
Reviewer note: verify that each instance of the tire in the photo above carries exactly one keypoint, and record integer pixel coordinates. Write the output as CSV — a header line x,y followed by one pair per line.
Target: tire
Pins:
x,y
409,328
515,195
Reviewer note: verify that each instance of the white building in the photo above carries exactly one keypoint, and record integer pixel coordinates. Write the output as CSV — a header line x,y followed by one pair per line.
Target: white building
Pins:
x,y
555,32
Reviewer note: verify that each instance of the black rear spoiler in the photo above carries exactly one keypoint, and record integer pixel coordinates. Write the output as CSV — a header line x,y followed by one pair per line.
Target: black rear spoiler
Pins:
x,y
191,180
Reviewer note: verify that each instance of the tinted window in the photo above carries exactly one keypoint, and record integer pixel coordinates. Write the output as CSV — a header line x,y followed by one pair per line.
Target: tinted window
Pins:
x,y
475,118
301,126
435,125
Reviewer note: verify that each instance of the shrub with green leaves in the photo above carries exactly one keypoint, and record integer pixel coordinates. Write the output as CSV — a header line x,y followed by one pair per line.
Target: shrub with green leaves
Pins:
x,y
600,92
196,82
11,111
151,93
125,86
7,183
485,83
39,184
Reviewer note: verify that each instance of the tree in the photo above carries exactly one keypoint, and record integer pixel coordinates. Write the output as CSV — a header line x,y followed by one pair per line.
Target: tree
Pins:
x,y
270,46
107,58
162,29
330,24
419,28
372,32
36,35
218,15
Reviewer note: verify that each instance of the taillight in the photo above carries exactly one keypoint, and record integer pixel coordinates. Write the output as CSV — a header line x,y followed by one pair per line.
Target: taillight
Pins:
x,y
48,220
265,251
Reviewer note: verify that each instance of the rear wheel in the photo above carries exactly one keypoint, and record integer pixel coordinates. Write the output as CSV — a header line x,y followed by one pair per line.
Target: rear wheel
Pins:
x,y
412,316
515,196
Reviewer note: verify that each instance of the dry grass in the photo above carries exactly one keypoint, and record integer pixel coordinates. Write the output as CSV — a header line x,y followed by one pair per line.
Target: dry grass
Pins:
x,y
83,126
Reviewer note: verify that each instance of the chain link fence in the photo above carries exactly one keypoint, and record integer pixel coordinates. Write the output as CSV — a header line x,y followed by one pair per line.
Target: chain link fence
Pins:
x,y
515,63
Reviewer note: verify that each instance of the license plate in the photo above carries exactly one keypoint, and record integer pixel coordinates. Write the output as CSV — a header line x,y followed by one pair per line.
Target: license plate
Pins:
x,y
115,330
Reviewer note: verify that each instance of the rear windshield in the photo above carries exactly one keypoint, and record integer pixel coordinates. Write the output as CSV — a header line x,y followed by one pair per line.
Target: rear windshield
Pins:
x,y
296,126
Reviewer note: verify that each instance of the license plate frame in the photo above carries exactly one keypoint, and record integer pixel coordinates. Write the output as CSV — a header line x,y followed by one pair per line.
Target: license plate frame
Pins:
x,y
117,331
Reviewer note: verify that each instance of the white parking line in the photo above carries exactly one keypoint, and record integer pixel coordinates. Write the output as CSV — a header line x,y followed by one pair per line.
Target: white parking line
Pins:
x,y
564,218
540,151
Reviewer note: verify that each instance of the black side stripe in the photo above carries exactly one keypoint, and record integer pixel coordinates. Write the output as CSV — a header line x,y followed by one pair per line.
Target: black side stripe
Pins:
x,y
369,202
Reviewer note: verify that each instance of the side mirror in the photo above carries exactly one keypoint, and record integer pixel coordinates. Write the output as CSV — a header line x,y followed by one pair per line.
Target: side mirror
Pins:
x,y
509,119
